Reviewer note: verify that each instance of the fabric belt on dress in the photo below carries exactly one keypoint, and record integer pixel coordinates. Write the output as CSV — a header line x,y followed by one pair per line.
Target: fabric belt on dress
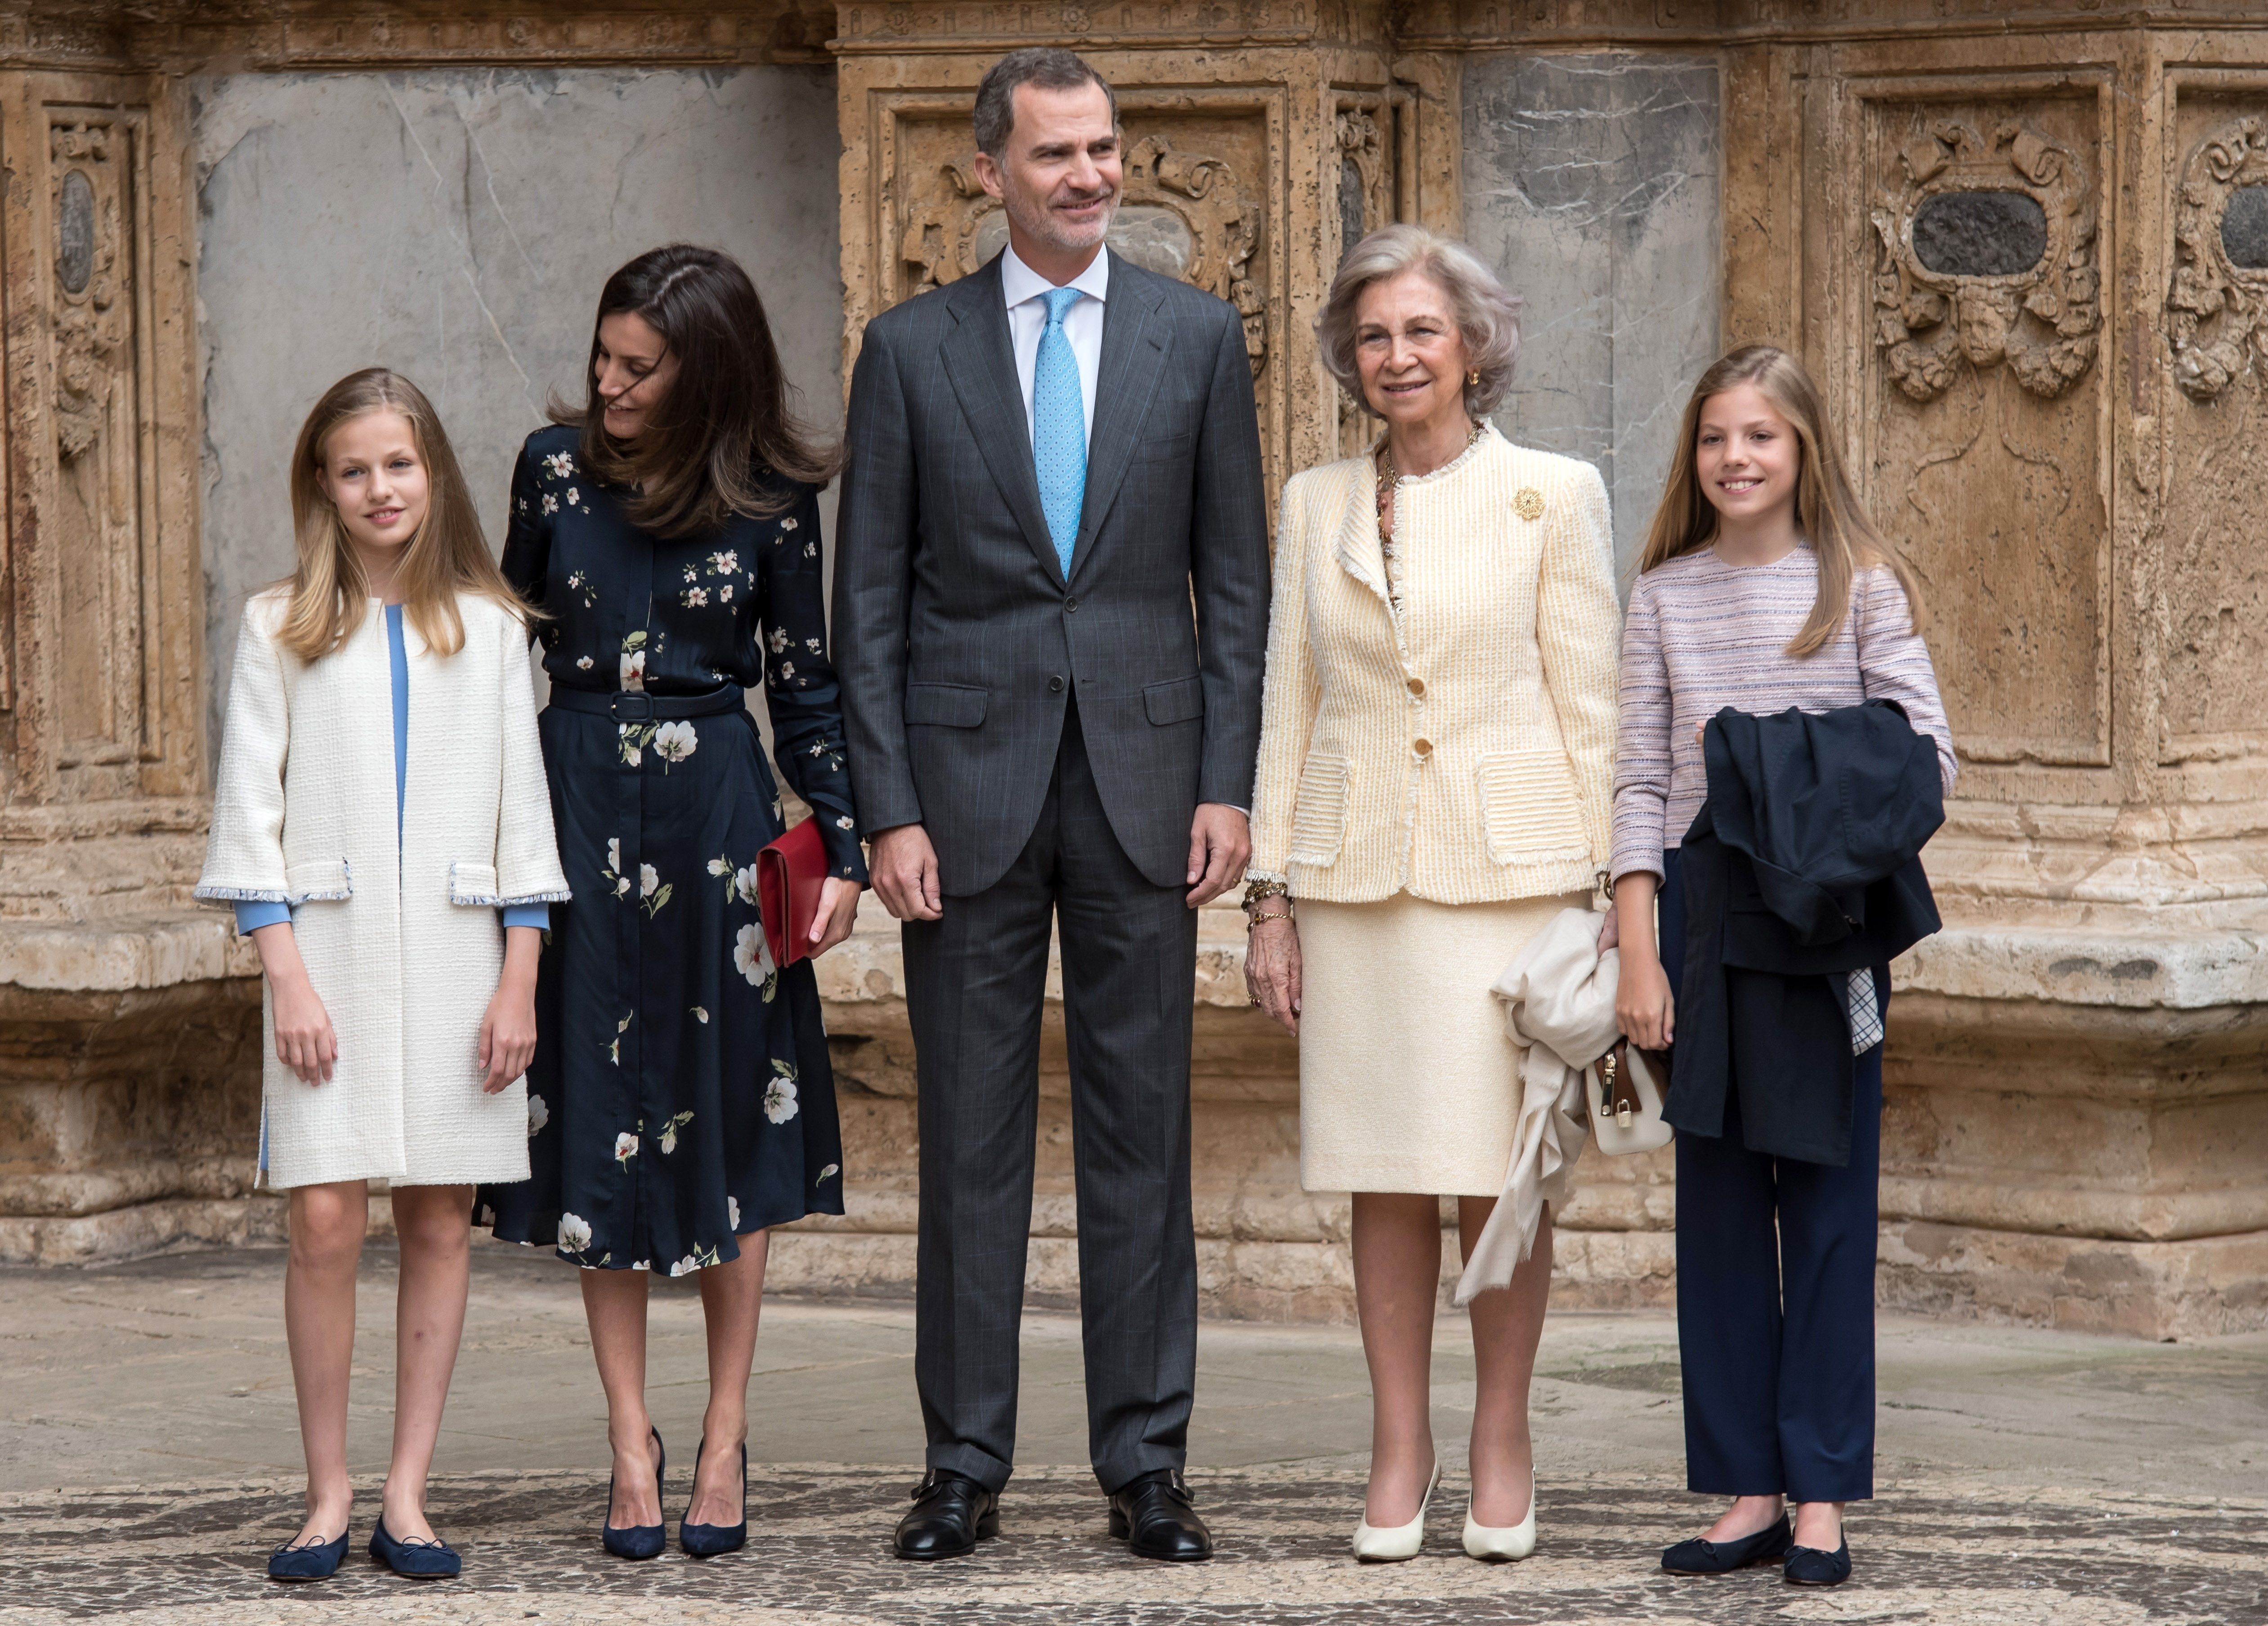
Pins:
x,y
631,706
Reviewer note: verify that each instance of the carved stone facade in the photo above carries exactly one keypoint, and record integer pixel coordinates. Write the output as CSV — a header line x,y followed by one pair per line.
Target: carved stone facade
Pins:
x,y
2025,254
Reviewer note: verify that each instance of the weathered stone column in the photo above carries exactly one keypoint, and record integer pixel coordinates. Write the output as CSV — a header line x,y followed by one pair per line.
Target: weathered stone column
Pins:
x,y
2027,263
127,1034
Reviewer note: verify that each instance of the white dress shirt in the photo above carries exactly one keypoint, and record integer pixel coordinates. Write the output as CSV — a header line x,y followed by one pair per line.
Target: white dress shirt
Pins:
x,y
1021,287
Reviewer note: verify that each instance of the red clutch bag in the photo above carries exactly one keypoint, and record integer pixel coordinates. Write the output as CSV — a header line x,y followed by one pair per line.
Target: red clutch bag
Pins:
x,y
790,874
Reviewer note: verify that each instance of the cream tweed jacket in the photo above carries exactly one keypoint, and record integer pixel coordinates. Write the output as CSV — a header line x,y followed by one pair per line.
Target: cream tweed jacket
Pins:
x,y
402,943
1462,751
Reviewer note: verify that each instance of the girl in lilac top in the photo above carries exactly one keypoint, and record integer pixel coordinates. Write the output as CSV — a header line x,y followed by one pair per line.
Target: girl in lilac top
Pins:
x,y
1763,586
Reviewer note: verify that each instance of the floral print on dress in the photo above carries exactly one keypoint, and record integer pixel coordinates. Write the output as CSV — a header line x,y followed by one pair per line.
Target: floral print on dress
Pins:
x,y
673,742
779,1093
623,615
752,958
538,1116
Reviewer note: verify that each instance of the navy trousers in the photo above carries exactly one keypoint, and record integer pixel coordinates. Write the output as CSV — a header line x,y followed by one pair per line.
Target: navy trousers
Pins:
x,y
1776,1295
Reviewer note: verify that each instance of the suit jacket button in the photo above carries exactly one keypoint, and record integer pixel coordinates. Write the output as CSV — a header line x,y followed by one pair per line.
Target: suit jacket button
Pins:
x,y
1054,685
1071,604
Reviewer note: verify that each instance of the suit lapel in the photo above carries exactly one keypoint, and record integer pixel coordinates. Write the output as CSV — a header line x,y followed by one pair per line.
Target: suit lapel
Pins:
x,y
1135,344
980,358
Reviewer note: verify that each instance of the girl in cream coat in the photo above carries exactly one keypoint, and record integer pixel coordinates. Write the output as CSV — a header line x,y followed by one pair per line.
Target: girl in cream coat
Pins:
x,y
380,798
1436,767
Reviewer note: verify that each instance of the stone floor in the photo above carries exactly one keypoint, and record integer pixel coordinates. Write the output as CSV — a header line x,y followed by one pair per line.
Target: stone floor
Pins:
x,y
148,1460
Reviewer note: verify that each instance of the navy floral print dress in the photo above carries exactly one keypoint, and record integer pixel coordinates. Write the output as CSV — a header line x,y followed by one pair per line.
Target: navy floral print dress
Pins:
x,y
681,1096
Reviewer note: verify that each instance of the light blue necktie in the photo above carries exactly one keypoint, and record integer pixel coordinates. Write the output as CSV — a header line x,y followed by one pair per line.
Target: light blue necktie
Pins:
x,y
1059,428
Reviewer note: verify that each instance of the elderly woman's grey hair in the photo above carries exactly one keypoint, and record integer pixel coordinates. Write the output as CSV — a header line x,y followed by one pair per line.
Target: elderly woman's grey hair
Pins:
x,y
1485,313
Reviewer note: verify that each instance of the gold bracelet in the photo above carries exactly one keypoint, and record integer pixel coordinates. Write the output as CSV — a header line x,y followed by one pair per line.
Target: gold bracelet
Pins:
x,y
1256,919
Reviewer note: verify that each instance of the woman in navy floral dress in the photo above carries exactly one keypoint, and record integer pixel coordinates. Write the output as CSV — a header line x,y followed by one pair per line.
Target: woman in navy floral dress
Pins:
x,y
680,1102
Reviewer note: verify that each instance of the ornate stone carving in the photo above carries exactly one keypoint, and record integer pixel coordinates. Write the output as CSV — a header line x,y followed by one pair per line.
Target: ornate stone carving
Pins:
x,y
2042,320
91,322
1362,171
2217,312
1179,214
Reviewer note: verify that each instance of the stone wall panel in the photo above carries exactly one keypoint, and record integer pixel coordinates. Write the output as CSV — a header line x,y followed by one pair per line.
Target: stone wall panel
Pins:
x,y
1591,184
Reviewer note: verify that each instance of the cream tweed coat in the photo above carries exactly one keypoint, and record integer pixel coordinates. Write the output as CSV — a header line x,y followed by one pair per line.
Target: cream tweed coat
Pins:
x,y
402,943
1465,754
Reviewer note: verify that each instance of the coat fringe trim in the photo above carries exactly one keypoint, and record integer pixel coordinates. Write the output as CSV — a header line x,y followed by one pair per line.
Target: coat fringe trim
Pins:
x,y
238,895
478,889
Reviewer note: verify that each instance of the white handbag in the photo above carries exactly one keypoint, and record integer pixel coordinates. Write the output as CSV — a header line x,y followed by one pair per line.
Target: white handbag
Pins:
x,y
1628,1119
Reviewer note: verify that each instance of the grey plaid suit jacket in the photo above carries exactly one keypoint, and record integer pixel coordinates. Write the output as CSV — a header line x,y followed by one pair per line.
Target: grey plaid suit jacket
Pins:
x,y
957,638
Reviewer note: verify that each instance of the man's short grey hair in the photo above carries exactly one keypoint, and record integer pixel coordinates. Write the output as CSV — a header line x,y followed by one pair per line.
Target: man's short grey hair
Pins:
x,y
1484,312
1048,68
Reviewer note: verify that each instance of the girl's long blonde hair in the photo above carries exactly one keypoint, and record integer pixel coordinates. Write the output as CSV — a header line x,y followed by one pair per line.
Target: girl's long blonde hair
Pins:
x,y
448,555
1826,510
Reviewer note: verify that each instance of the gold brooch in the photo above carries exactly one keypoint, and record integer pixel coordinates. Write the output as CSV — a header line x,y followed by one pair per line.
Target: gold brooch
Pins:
x,y
1529,502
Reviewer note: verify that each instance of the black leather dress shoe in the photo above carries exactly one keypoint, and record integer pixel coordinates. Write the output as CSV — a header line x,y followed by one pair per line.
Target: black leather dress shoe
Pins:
x,y
951,1513
1152,1515
1815,1566
1700,1557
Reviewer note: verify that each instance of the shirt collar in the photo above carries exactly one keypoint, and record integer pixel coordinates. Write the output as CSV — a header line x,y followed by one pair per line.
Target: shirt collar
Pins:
x,y
1019,282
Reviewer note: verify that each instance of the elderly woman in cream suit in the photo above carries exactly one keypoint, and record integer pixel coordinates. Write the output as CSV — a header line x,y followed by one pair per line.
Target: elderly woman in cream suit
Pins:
x,y
1436,767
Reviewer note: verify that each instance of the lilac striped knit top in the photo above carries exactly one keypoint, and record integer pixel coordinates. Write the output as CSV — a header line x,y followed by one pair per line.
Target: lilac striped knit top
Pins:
x,y
1702,635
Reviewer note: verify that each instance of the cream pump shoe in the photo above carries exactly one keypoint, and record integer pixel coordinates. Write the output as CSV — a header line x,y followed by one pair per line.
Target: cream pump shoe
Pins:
x,y
1372,1545
1502,1545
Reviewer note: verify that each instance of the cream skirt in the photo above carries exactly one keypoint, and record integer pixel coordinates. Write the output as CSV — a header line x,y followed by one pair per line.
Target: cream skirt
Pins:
x,y
1407,1082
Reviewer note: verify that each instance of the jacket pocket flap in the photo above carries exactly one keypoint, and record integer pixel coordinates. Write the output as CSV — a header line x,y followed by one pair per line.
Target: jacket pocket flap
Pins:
x,y
948,705
1177,702
473,884
1161,448
319,880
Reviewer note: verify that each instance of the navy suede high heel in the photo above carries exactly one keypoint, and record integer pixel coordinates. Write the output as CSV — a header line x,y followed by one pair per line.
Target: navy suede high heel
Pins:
x,y
307,1561
708,1540
638,1541
420,1561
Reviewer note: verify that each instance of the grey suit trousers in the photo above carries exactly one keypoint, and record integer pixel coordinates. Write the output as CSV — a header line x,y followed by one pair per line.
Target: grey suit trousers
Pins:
x,y
975,981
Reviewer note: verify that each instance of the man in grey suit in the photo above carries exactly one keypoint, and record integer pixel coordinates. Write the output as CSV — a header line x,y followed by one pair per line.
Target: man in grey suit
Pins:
x,y
1050,612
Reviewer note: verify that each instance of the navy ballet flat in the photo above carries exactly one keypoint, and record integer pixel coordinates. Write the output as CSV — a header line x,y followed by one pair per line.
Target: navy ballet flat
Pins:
x,y
1815,1566
708,1540
1700,1557
420,1561
638,1541
307,1561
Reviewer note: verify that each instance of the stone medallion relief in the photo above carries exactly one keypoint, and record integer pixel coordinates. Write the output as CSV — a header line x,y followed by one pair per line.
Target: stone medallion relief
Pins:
x,y
2217,314
1986,255
1980,428
102,697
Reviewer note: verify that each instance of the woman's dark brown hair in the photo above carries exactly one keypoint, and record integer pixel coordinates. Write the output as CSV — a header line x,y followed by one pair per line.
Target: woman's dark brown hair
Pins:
x,y
707,444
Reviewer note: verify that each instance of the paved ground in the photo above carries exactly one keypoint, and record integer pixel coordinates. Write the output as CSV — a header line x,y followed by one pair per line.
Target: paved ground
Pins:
x,y
149,1459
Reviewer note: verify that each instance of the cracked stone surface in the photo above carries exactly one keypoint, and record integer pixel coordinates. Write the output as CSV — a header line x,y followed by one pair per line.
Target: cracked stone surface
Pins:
x,y
457,224
150,1461
1591,185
